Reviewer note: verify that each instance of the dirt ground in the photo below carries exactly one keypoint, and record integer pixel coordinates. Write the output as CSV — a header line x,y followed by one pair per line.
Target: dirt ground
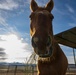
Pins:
x,y
19,73
32,73
27,71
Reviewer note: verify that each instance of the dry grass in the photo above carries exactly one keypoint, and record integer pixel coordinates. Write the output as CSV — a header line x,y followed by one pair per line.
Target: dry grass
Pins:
x,y
31,73
28,70
71,72
17,73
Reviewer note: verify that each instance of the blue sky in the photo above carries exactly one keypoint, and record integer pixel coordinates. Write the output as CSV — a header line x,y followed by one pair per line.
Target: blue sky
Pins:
x,y
15,26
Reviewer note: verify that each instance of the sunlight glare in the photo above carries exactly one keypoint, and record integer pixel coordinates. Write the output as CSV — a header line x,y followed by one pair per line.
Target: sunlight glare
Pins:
x,y
13,45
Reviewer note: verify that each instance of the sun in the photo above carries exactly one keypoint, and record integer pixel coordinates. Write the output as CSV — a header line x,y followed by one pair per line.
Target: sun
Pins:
x,y
14,47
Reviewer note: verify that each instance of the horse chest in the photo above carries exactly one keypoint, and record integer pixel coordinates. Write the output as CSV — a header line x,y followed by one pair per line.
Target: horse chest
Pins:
x,y
47,69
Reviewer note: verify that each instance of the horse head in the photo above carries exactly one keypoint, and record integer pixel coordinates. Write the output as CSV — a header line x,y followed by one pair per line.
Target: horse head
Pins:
x,y
41,29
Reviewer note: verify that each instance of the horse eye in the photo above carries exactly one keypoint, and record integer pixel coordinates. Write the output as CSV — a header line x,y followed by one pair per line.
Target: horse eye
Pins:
x,y
51,16
31,16
34,41
48,41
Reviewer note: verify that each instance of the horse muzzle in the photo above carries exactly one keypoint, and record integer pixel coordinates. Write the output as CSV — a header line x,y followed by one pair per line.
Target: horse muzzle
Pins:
x,y
44,54
42,50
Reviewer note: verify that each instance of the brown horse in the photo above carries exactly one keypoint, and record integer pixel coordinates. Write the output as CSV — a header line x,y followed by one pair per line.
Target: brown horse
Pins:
x,y
52,60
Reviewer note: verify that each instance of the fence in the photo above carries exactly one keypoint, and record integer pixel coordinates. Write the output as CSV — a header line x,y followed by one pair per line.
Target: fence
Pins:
x,y
28,69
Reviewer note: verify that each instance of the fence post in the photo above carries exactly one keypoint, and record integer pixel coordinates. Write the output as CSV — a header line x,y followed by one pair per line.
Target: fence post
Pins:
x,y
8,69
15,70
32,70
74,56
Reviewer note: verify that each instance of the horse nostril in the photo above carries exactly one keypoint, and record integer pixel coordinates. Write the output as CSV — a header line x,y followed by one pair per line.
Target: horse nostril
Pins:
x,y
48,41
42,52
34,41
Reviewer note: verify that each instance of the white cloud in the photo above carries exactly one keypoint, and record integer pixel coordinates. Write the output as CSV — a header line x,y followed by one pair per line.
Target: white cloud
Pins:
x,y
15,48
70,59
70,9
6,28
8,5
56,10
72,24
3,21
4,15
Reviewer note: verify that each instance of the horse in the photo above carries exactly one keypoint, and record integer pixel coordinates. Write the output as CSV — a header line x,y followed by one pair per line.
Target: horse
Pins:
x,y
51,58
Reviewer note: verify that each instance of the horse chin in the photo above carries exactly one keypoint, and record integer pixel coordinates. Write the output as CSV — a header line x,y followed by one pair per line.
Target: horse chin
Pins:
x,y
46,57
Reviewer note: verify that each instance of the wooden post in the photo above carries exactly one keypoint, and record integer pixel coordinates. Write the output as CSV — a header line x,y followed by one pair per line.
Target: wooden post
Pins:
x,y
74,56
8,69
15,70
32,70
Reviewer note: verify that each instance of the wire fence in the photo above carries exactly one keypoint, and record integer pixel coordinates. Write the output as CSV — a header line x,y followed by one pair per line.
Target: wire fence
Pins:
x,y
28,69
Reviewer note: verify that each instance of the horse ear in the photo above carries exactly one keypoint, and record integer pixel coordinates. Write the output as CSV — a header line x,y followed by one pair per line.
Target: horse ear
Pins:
x,y
49,5
33,6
